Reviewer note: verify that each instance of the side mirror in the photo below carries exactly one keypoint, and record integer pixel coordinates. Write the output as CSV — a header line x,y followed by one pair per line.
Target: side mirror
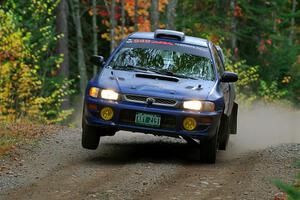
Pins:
x,y
229,77
97,60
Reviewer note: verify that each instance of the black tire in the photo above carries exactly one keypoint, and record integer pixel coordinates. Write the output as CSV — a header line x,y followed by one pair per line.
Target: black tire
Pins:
x,y
208,150
223,144
224,133
90,138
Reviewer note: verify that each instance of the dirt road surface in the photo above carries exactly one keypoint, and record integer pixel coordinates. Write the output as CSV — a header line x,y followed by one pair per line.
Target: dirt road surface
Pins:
x,y
138,166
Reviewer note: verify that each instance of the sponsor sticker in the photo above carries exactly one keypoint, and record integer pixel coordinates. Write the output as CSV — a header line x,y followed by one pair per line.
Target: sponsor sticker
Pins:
x,y
146,41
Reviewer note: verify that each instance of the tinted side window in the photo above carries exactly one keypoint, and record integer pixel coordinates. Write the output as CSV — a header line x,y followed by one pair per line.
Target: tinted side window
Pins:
x,y
219,64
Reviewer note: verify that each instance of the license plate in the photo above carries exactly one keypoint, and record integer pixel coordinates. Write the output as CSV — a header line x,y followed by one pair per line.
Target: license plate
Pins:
x,y
146,119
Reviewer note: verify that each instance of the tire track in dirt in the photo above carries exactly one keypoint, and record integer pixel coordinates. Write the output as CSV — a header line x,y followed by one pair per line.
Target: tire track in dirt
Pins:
x,y
69,182
202,181
138,166
247,176
118,170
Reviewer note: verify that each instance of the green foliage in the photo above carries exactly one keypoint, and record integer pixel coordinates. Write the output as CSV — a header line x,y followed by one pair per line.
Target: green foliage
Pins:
x,y
248,77
284,69
36,18
264,41
270,92
52,108
266,55
293,192
27,89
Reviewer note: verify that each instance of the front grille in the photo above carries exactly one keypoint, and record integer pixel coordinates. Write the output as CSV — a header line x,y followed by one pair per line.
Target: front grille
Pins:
x,y
135,98
143,99
128,117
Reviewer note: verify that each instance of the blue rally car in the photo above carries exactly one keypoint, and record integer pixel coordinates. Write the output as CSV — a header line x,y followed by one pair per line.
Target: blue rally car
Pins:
x,y
163,83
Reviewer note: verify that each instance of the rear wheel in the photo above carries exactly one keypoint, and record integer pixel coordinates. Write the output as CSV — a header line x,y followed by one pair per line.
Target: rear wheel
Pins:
x,y
208,149
90,137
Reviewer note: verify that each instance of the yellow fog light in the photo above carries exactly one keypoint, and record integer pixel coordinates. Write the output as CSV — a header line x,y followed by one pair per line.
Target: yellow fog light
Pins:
x,y
189,124
107,113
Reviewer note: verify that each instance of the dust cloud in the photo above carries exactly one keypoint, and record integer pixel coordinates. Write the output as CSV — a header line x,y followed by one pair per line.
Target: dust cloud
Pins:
x,y
262,126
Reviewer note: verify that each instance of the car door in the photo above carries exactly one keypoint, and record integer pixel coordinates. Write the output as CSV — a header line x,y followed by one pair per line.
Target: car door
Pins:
x,y
224,86
231,86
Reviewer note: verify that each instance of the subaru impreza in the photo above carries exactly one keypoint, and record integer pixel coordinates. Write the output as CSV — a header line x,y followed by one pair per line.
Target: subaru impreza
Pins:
x,y
163,83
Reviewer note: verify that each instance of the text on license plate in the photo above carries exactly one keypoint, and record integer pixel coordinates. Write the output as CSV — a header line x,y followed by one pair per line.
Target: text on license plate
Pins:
x,y
146,119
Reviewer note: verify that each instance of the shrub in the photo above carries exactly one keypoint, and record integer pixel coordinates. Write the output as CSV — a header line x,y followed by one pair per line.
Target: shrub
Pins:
x,y
22,88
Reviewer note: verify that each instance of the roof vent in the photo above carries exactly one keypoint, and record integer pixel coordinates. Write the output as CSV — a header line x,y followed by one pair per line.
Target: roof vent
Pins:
x,y
163,78
169,34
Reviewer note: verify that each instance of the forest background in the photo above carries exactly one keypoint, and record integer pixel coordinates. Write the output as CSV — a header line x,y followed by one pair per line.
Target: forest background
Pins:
x,y
45,46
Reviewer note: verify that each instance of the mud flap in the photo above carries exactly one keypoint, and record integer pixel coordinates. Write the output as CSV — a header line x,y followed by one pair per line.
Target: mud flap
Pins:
x,y
233,119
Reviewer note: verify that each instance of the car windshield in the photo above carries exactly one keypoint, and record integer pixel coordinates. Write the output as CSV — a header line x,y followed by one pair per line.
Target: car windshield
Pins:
x,y
172,62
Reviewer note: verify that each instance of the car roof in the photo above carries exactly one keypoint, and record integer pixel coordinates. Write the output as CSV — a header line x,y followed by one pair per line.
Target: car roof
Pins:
x,y
186,39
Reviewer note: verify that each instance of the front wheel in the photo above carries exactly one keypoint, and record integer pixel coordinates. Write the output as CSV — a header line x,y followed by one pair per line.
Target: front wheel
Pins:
x,y
208,150
90,138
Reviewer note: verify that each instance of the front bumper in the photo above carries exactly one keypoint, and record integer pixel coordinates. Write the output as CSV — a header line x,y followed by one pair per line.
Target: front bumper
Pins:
x,y
171,124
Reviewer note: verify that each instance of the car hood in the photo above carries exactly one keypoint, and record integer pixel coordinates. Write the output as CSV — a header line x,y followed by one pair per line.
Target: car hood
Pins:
x,y
155,85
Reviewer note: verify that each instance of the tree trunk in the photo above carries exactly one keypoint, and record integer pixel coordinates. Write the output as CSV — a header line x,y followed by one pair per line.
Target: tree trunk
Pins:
x,y
293,22
80,54
113,25
136,15
95,42
154,15
62,43
123,18
233,31
171,14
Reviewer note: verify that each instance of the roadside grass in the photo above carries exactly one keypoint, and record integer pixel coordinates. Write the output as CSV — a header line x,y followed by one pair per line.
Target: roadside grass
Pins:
x,y
8,139
292,191
13,135
7,142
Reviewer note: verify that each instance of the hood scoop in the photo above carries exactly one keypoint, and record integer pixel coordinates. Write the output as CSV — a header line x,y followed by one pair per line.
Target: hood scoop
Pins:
x,y
189,87
163,78
199,87
117,78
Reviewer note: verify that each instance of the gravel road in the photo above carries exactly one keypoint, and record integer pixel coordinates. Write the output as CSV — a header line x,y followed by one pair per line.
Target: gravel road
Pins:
x,y
138,166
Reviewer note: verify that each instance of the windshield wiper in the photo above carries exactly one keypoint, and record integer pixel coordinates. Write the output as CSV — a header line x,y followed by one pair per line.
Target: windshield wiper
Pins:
x,y
130,68
162,72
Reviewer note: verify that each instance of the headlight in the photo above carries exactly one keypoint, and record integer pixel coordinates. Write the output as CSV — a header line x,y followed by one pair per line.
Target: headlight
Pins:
x,y
109,95
205,106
